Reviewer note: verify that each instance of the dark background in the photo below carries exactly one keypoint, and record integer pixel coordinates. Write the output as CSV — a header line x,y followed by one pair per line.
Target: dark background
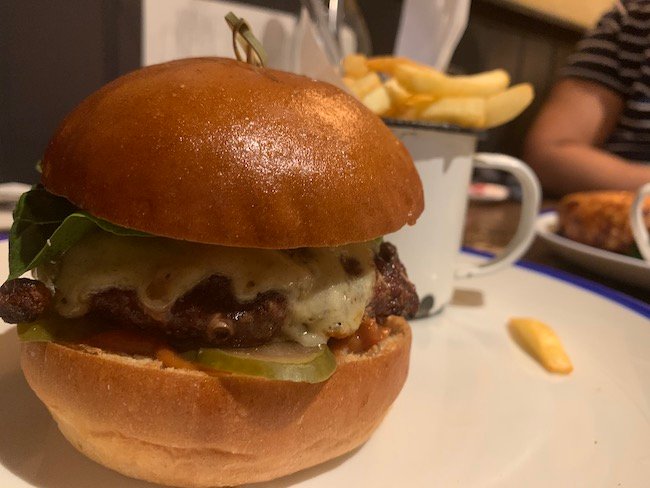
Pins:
x,y
53,54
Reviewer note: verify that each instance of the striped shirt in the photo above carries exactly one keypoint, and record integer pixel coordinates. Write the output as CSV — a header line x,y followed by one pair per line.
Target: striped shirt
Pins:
x,y
616,54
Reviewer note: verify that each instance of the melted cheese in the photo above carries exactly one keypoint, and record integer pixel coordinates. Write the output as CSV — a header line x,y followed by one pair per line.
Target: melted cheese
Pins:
x,y
323,300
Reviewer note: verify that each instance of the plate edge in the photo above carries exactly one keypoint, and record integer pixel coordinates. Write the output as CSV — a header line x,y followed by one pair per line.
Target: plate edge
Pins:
x,y
616,296
560,240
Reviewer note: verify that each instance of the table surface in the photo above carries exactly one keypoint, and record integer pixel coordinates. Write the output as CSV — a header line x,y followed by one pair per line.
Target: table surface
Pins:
x,y
490,227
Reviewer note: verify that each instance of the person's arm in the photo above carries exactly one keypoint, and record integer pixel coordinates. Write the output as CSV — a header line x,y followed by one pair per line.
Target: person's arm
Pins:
x,y
562,145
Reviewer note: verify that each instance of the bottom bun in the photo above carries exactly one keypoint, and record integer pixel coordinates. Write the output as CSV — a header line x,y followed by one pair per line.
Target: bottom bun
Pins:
x,y
187,428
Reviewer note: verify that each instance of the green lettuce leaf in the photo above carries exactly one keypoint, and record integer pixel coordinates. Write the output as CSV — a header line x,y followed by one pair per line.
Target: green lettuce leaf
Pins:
x,y
45,226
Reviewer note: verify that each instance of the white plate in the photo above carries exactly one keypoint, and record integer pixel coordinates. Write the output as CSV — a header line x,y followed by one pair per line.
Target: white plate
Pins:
x,y
626,269
475,412
6,219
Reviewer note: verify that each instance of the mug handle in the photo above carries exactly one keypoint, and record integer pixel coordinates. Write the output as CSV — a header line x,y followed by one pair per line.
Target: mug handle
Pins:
x,y
637,222
530,203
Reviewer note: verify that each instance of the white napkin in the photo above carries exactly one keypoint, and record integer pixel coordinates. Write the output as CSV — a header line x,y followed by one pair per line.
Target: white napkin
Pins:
x,y
429,30
309,56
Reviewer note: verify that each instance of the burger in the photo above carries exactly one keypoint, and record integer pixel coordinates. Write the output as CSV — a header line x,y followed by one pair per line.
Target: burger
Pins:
x,y
213,303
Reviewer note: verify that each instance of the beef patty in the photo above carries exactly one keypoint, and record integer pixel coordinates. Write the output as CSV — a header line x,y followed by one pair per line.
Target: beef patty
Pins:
x,y
209,314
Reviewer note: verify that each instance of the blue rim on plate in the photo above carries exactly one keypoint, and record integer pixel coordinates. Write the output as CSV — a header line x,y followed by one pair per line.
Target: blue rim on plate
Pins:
x,y
621,298
626,301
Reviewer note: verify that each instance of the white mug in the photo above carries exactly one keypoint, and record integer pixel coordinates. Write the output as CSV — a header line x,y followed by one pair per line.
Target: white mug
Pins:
x,y
638,223
445,158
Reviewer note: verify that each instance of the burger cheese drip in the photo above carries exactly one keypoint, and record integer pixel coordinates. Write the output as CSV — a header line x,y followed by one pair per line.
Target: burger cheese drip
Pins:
x,y
324,296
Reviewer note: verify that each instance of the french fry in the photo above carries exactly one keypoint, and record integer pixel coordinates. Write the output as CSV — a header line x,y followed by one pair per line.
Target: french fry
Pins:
x,y
414,91
417,79
388,64
541,342
505,106
397,93
355,66
378,100
420,100
392,113
467,112
409,113
364,85
427,80
349,82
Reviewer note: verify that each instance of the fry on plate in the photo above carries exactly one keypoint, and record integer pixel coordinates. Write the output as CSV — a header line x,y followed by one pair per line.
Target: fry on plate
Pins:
x,y
541,342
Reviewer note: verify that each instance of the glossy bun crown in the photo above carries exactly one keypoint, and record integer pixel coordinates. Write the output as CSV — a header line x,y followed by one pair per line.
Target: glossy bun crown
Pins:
x,y
217,151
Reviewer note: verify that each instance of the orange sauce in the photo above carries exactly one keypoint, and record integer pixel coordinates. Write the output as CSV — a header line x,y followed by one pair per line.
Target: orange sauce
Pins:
x,y
141,344
367,335
126,341
171,359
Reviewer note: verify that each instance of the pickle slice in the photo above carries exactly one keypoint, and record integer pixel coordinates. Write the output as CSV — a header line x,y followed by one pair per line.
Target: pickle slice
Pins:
x,y
286,361
48,329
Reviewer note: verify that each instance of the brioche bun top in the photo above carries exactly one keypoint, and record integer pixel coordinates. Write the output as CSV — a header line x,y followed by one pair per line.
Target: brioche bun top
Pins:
x,y
217,151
